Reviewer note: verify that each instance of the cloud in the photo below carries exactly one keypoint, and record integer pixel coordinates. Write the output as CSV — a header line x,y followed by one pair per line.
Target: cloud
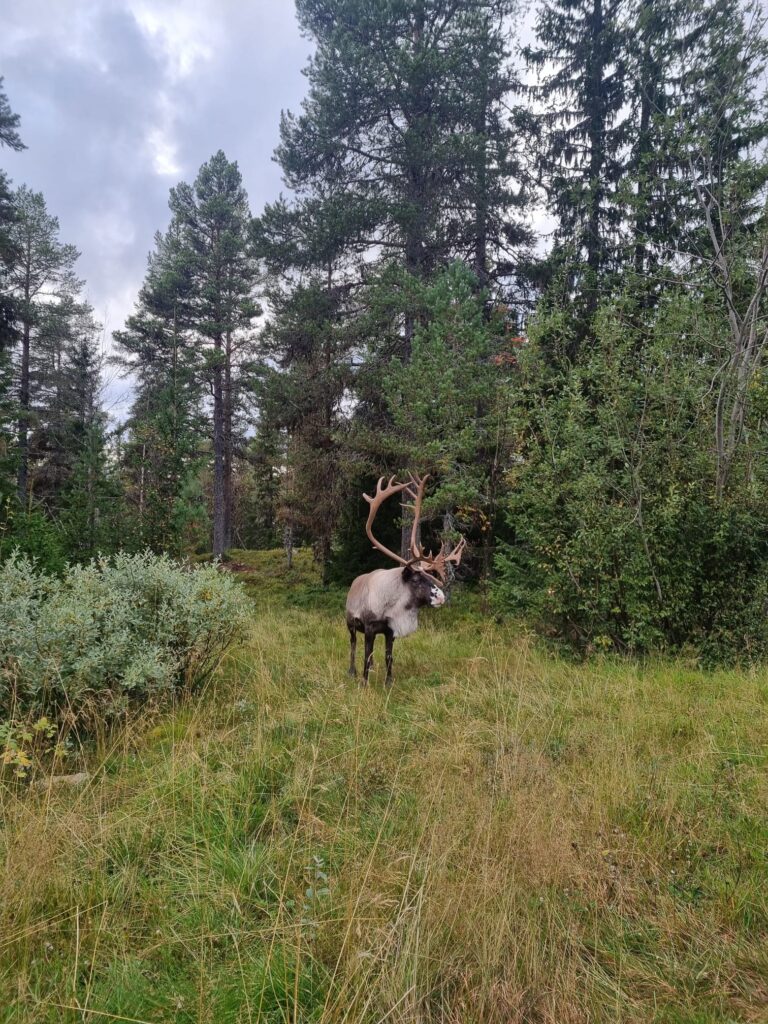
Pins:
x,y
183,36
121,99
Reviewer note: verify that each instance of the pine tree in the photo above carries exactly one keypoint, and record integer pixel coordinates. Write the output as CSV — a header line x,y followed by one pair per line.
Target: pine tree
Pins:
x,y
44,273
407,130
9,123
9,136
189,340
405,118
212,219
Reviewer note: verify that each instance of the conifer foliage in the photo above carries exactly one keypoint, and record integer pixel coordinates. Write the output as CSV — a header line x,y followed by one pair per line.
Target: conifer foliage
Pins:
x,y
188,341
590,401
57,495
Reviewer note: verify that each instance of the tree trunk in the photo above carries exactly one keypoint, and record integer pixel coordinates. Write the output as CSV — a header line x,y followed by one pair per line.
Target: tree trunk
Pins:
x,y
23,470
219,494
142,476
416,186
288,544
227,426
176,480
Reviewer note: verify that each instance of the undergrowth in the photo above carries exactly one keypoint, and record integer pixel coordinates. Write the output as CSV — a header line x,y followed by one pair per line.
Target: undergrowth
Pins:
x,y
504,837
104,637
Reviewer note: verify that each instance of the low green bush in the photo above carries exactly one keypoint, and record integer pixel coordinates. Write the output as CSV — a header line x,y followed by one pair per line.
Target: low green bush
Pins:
x,y
114,631
33,535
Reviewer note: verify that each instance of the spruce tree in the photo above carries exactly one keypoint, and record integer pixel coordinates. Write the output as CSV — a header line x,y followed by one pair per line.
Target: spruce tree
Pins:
x,y
258,520
306,352
723,130
89,497
694,97
161,443
658,30
580,132
64,331
449,407
307,343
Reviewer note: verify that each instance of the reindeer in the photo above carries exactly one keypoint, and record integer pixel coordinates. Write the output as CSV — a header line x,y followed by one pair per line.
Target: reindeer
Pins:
x,y
388,600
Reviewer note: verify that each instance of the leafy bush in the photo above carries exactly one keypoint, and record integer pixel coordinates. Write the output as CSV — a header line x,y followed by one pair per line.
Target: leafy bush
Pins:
x,y
620,540
31,534
130,628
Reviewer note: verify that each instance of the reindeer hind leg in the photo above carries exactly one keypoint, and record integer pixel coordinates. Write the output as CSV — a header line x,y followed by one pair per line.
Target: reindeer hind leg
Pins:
x,y
369,638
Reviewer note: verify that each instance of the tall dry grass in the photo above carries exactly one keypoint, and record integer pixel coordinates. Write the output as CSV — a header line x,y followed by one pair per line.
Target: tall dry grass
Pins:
x,y
504,837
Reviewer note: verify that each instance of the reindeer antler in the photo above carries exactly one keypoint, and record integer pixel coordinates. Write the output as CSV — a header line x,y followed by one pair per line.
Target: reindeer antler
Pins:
x,y
434,563
414,489
381,495
438,563
417,496
441,560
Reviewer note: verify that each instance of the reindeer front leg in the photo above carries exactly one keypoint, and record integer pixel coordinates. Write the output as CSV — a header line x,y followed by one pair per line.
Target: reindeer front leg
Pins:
x,y
389,637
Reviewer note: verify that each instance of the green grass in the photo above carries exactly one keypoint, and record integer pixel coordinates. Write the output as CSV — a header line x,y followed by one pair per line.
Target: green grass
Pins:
x,y
504,837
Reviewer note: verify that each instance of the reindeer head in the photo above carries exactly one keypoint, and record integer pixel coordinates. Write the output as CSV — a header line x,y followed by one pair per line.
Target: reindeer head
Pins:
x,y
424,571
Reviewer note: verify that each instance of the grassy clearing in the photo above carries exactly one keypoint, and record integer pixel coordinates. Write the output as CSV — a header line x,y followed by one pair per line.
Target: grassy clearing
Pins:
x,y
504,837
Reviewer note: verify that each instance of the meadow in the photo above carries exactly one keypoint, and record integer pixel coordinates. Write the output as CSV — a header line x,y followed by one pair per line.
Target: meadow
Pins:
x,y
505,836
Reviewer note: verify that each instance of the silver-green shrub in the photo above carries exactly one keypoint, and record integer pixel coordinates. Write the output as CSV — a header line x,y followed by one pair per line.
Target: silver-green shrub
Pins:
x,y
127,628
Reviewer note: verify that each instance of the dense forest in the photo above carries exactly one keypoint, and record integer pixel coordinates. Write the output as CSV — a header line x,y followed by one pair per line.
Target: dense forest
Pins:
x,y
590,400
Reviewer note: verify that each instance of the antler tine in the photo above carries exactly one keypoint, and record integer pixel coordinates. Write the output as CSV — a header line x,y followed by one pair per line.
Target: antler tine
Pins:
x,y
458,551
438,563
420,484
375,501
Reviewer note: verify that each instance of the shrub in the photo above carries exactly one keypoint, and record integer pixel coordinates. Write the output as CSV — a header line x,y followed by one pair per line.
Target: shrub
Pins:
x,y
31,534
620,542
105,634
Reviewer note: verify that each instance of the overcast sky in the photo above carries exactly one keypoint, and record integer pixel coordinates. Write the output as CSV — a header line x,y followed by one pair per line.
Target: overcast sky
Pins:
x,y
121,99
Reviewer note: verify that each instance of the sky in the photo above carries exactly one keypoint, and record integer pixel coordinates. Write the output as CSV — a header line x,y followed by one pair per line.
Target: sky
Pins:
x,y
122,99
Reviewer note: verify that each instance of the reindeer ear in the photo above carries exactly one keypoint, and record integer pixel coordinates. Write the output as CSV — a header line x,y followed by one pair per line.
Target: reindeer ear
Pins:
x,y
408,573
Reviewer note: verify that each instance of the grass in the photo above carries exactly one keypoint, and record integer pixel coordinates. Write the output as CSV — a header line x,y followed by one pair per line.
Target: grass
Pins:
x,y
505,837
